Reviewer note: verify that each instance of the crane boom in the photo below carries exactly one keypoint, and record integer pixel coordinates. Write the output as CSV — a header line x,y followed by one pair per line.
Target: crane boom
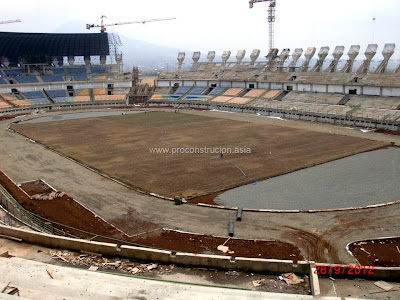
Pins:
x,y
103,26
141,21
10,21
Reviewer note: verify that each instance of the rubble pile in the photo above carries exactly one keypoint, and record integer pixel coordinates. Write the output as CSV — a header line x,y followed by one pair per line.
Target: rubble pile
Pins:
x,y
95,261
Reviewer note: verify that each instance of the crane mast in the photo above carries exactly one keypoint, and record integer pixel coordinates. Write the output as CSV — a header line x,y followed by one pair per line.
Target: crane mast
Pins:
x,y
271,19
103,26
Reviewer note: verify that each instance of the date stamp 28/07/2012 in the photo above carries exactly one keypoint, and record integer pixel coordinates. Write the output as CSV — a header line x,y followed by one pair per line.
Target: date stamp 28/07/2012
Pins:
x,y
343,270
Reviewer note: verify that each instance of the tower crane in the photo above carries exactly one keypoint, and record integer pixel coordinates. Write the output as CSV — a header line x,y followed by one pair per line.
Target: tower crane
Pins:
x,y
10,21
271,18
103,26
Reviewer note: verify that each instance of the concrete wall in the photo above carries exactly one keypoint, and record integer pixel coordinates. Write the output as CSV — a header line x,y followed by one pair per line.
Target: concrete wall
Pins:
x,y
189,83
391,92
304,87
52,241
203,83
276,86
163,83
264,85
238,84
226,84
335,89
372,91
319,88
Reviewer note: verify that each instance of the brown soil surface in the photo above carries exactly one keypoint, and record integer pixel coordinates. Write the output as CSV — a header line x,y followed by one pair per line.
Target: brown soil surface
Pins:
x,y
63,210
7,117
207,199
35,188
68,212
119,146
386,131
381,252
187,242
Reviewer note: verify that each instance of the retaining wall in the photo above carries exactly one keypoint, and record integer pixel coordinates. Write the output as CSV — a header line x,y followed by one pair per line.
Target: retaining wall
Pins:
x,y
191,259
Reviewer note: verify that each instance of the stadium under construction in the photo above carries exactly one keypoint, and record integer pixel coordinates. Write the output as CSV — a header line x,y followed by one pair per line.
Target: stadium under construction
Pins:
x,y
80,170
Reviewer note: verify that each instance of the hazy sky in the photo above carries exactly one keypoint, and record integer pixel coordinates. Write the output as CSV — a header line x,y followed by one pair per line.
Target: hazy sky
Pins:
x,y
220,24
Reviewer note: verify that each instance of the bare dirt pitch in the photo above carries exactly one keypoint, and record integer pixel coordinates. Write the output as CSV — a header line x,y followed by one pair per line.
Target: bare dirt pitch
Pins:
x,y
119,146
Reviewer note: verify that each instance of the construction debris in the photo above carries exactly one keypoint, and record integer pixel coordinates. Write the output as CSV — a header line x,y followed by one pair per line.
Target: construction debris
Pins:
x,y
10,290
95,262
290,278
50,273
257,283
383,285
224,249
152,266
232,273
50,196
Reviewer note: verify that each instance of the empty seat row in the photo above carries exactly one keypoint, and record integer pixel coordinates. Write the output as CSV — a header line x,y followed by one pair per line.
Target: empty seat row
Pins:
x,y
14,73
26,79
52,78
56,93
34,95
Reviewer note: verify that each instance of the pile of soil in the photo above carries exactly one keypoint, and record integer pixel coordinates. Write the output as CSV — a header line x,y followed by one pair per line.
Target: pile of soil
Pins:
x,y
67,211
380,252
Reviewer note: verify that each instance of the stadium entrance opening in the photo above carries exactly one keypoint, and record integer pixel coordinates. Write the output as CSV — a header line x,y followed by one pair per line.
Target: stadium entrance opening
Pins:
x,y
353,92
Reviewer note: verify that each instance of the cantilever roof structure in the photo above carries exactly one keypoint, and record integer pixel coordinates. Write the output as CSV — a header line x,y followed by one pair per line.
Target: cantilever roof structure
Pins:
x,y
38,47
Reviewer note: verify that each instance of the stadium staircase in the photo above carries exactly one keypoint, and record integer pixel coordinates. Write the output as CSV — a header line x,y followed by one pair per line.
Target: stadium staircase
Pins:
x,y
6,101
48,96
279,96
91,95
243,92
185,94
345,99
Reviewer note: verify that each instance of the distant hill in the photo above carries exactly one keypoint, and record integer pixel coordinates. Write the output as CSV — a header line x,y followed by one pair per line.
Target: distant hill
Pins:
x,y
135,52
146,55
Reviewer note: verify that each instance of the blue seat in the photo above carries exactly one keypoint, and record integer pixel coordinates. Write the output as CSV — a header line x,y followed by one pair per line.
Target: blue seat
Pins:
x,y
197,91
58,71
182,90
2,81
100,69
80,77
14,73
217,91
34,95
56,93
38,101
52,78
76,71
26,79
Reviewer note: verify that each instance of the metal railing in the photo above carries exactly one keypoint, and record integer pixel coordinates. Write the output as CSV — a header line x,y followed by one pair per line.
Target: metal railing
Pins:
x,y
15,209
38,223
